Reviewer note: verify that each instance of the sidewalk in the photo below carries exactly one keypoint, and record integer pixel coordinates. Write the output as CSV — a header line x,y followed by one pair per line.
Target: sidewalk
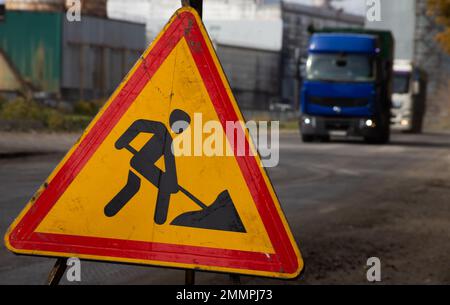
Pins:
x,y
18,143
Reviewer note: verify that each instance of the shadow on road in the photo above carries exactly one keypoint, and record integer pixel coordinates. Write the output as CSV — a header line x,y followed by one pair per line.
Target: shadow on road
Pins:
x,y
419,144
26,154
424,140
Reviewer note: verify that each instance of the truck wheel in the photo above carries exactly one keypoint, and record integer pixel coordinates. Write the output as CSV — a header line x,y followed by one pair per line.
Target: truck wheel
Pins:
x,y
417,128
325,139
307,138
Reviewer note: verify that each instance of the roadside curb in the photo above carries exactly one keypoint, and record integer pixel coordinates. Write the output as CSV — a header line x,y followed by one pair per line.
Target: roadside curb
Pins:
x,y
18,144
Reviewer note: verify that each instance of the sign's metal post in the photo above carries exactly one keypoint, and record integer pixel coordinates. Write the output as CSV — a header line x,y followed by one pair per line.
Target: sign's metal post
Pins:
x,y
57,272
235,279
190,274
189,278
198,6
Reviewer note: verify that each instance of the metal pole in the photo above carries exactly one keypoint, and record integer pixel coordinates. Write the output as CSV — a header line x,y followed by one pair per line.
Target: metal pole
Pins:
x,y
190,277
2,10
235,279
57,272
198,6
195,4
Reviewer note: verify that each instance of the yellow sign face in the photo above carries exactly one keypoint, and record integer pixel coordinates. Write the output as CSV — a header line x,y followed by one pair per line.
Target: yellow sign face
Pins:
x,y
108,169
134,189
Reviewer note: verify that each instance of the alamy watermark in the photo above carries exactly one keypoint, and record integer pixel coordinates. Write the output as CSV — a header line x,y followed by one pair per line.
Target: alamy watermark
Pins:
x,y
73,10
196,137
373,10
73,273
373,273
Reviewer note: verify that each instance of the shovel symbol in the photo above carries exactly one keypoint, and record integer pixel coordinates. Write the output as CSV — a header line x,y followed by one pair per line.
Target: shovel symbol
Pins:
x,y
220,215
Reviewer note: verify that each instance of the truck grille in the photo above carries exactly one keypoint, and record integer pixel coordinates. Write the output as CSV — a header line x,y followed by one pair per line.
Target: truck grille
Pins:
x,y
337,124
340,102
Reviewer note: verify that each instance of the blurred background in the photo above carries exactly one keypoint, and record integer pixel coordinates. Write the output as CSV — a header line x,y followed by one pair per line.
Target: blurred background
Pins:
x,y
345,200
262,45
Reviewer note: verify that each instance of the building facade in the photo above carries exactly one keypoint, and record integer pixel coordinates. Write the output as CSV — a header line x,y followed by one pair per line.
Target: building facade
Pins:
x,y
258,41
69,60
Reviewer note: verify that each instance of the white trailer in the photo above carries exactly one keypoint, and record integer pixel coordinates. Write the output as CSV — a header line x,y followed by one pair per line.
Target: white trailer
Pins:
x,y
409,97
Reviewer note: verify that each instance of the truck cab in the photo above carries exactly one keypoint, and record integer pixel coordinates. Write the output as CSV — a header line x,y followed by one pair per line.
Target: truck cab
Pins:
x,y
347,86
409,97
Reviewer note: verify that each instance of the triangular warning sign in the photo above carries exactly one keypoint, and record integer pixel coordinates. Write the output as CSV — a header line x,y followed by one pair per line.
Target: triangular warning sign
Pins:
x,y
125,193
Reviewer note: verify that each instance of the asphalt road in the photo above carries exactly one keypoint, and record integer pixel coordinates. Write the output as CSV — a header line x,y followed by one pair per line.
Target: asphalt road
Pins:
x,y
345,202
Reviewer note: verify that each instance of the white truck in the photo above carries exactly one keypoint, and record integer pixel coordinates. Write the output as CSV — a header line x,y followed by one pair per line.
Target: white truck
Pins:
x,y
409,97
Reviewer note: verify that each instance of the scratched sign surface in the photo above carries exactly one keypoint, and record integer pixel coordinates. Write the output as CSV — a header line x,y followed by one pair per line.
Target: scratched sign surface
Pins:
x,y
122,193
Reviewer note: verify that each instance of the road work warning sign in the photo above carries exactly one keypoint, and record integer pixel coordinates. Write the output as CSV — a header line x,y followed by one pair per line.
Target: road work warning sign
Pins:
x,y
129,192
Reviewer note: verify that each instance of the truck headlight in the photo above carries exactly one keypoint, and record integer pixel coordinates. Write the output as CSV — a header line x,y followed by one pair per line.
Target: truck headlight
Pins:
x,y
307,121
370,123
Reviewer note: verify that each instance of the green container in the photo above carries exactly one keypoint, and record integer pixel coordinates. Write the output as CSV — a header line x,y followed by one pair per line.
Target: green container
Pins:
x,y
32,42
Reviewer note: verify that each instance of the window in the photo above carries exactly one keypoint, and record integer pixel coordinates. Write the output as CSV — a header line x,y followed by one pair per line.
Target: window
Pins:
x,y
401,82
340,67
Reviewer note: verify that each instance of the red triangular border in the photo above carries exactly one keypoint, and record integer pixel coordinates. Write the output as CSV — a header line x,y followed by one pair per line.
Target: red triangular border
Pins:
x,y
285,261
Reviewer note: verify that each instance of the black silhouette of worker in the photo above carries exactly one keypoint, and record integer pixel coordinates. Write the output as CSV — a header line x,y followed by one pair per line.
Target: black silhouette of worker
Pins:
x,y
220,215
144,161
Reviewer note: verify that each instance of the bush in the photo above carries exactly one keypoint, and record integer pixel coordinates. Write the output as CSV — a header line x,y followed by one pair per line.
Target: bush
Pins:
x,y
3,101
21,114
77,122
21,109
55,121
85,108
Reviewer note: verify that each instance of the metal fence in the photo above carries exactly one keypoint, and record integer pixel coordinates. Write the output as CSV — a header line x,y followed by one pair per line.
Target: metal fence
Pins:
x,y
97,53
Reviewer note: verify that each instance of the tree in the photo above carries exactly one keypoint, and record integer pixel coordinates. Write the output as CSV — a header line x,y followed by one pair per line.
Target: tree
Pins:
x,y
440,9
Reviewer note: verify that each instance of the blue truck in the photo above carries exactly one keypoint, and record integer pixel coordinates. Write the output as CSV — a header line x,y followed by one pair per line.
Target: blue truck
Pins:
x,y
347,85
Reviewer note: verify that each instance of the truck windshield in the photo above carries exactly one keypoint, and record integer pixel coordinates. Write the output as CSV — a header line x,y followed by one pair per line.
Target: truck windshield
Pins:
x,y
401,82
340,67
